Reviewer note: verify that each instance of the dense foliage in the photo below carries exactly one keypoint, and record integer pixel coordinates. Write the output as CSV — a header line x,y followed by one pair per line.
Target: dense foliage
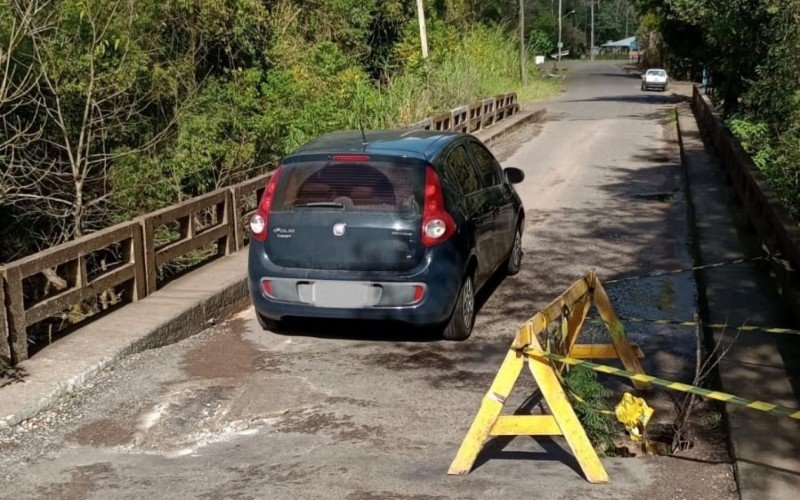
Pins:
x,y
749,49
112,108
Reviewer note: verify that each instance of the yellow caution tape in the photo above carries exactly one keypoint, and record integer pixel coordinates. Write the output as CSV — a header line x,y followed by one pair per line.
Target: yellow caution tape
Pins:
x,y
667,384
769,257
743,328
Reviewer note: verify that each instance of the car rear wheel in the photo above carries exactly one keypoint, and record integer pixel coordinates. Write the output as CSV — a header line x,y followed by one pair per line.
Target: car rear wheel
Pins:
x,y
459,327
268,324
644,87
514,263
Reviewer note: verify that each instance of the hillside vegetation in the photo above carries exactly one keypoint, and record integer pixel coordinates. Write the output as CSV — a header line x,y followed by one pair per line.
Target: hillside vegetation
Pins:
x,y
113,108
751,53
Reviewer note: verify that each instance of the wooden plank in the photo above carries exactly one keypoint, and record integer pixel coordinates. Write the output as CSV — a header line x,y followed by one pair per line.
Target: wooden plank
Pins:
x,y
600,351
570,297
181,247
58,303
617,333
526,425
491,406
576,319
571,428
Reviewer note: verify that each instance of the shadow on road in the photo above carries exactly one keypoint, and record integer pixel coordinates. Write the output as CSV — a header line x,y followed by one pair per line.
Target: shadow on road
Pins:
x,y
649,97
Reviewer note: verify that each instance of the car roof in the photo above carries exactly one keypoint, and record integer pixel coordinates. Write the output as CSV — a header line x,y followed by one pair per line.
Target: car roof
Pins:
x,y
421,144
656,69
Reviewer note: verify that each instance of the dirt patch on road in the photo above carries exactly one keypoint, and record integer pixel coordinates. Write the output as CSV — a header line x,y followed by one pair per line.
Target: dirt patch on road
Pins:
x,y
385,495
420,360
314,421
105,432
227,355
84,480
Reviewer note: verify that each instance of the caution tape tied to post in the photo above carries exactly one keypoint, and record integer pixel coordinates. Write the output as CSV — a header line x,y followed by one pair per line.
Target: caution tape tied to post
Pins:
x,y
667,384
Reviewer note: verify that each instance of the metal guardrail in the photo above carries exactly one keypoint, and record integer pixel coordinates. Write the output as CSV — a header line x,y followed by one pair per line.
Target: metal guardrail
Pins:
x,y
138,254
763,209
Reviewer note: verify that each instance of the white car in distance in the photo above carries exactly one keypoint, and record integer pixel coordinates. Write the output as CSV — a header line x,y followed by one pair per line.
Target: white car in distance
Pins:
x,y
654,79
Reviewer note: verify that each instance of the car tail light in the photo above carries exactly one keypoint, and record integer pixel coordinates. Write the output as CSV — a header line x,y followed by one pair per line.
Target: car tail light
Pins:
x,y
351,158
419,292
266,285
259,222
437,224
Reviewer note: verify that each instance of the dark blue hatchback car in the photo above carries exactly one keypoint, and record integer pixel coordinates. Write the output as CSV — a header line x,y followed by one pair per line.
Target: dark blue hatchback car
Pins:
x,y
395,225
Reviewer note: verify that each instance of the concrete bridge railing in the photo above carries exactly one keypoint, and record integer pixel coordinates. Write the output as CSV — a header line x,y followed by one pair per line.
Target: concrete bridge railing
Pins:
x,y
61,288
762,207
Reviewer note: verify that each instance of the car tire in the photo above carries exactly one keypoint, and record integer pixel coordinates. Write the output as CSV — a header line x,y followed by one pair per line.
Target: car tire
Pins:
x,y
644,88
461,322
272,325
514,262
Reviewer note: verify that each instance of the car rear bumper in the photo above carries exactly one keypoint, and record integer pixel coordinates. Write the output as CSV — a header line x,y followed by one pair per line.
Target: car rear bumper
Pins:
x,y
655,85
439,273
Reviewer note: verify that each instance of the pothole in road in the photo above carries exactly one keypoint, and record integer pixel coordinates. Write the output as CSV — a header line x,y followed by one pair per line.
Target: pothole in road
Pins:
x,y
662,197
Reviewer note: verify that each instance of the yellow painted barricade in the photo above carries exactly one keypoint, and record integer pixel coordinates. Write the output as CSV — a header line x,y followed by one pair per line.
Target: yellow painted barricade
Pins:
x,y
555,328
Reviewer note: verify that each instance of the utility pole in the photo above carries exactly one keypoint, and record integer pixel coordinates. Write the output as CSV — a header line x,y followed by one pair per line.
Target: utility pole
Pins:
x,y
591,49
559,32
423,35
522,53
627,11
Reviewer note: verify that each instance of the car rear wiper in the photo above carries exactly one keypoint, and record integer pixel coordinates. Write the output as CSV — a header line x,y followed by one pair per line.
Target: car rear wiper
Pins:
x,y
322,204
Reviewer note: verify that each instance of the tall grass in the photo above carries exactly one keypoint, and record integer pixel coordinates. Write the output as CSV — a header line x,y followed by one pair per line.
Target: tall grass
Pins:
x,y
483,64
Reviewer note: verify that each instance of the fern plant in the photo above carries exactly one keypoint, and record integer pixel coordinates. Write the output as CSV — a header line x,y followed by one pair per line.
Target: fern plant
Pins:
x,y
590,400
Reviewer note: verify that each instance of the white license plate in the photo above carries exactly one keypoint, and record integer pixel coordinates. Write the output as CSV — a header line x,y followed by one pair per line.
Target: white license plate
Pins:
x,y
343,294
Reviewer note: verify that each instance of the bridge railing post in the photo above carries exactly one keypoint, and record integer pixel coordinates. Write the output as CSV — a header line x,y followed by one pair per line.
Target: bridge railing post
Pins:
x,y
5,348
245,198
190,227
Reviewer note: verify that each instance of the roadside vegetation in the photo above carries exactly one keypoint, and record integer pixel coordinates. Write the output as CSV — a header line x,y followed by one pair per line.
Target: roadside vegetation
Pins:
x,y
110,109
750,53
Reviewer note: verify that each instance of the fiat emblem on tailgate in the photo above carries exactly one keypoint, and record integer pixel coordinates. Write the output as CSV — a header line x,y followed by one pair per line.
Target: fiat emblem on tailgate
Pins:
x,y
339,228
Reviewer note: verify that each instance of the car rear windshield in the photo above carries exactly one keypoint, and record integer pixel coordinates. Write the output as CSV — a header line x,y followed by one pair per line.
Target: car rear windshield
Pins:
x,y
369,186
657,72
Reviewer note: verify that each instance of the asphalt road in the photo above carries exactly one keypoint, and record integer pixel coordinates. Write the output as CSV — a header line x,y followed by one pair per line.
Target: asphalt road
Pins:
x,y
344,410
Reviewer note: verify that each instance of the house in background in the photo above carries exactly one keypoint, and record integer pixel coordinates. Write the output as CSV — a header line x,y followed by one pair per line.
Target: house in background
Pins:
x,y
626,46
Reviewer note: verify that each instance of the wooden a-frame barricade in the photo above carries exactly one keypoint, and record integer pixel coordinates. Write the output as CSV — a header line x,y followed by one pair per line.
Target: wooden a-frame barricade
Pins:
x,y
570,308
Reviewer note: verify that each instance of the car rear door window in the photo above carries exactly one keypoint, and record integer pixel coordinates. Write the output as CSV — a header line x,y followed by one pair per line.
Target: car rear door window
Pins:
x,y
459,172
486,164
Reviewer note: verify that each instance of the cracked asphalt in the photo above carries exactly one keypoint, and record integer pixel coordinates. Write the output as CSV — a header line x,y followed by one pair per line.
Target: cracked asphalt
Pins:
x,y
367,410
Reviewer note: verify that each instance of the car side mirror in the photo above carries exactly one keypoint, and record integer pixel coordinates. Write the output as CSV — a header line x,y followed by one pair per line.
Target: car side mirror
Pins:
x,y
514,175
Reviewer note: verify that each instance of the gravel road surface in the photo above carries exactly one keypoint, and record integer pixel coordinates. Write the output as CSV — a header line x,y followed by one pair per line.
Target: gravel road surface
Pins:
x,y
366,411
